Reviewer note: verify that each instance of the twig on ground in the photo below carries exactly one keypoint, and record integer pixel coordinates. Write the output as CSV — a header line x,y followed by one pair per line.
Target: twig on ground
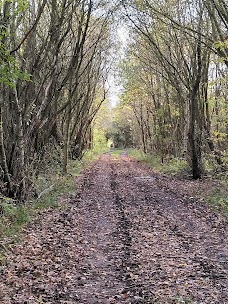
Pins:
x,y
46,191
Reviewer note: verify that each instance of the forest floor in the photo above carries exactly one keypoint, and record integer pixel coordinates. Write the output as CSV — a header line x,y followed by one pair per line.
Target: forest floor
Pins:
x,y
129,235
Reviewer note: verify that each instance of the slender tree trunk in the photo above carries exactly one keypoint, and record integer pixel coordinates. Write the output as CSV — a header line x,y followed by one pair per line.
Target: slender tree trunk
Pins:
x,y
6,175
143,130
21,150
66,139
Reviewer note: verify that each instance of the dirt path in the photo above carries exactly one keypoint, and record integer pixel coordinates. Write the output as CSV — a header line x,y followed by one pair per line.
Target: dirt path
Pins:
x,y
125,238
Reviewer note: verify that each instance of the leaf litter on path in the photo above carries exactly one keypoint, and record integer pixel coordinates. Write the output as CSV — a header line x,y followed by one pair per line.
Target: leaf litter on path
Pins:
x,y
124,238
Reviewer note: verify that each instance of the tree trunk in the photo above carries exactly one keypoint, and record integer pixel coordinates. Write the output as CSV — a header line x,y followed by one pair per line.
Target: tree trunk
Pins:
x,y
6,176
20,193
66,140
194,137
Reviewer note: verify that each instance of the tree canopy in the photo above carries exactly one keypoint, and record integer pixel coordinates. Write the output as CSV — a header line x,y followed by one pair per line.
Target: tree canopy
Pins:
x,y
55,58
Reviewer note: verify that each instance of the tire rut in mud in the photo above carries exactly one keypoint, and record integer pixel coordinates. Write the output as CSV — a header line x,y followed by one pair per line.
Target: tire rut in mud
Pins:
x,y
175,240
126,267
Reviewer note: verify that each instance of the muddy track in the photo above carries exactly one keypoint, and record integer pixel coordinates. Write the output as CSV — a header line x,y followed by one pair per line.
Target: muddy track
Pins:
x,y
124,238
134,290
185,241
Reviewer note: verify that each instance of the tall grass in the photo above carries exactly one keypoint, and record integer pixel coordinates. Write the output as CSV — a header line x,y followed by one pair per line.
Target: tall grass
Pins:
x,y
172,166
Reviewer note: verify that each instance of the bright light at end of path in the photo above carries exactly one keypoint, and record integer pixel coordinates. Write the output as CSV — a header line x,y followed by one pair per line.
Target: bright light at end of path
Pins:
x,y
115,87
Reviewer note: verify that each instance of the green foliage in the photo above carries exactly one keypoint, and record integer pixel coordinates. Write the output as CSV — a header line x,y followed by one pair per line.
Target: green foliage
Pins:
x,y
219,200
103,121
222,45
22,5
116,152
100,143
218,197
10,70
172,166
175,166
211,167
115,135
13,217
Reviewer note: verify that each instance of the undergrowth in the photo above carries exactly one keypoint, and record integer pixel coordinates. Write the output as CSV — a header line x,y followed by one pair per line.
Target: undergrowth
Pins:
x,y
116,152
218,197
172,166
